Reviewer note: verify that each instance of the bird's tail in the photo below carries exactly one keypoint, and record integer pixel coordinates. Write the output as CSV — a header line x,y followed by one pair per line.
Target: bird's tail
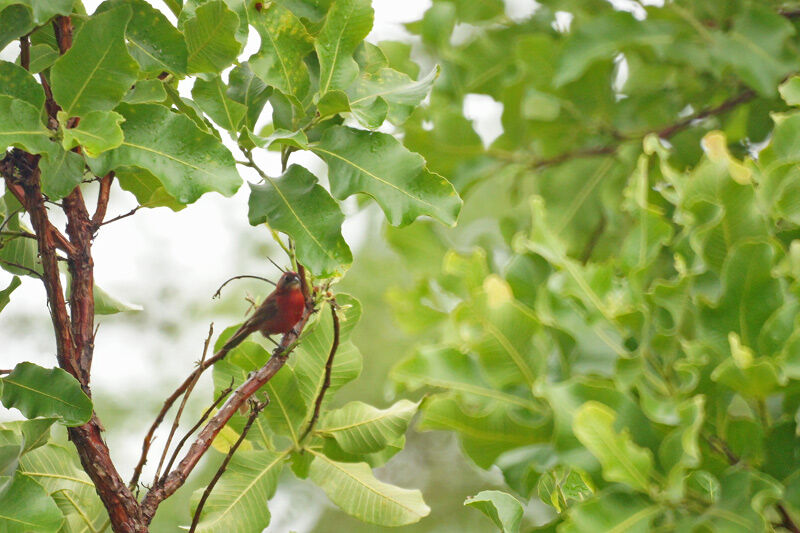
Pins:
x,y
241,334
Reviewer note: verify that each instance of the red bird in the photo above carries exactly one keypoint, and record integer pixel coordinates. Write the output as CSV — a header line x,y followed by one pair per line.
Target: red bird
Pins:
x,y
279,312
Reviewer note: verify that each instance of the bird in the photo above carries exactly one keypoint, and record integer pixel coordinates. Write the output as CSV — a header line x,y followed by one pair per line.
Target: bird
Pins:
x,y
278,313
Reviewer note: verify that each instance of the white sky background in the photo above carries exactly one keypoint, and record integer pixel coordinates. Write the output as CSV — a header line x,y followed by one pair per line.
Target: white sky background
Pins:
x,y
171,264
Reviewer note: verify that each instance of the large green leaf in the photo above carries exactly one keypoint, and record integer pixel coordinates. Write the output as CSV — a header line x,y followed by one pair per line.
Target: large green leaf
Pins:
x,y
20,126
502,508
361,428
17,82
284,44
187,161
238,502
97,71
622,460
346,25
212,98
152,40
38,391
33,433
354,488
57,468
97,132
298,206
313,351
26,507
62,171
210,38
249,90
378,165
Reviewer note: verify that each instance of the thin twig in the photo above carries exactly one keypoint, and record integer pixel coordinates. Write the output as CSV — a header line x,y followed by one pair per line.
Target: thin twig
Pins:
x,y
219,291
120,217
9,217
255,409
276,265
786,519
24,234
789,13
222,395
185,399
30,271
328,367
5,371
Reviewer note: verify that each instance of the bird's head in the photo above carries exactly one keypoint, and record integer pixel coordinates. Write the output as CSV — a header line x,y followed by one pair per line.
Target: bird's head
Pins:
x,y
289,281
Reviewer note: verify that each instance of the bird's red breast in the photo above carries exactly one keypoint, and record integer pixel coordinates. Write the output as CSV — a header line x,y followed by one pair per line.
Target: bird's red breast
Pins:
x,y
289,308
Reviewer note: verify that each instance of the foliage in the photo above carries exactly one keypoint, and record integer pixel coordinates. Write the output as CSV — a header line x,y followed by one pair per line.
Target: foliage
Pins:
x,y
620,339
107,107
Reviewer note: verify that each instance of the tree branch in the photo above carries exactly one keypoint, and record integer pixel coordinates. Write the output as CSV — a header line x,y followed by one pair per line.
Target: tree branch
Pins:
x,y
102,200
222,395
185,399
175,479
664,132
255,409
25,52
328,367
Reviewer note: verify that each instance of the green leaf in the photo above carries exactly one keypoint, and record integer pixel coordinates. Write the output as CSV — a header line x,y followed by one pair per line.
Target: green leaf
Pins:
x,y
17,82
398,90
57,468
622,460
105,304
502,508
187,161
354,488
750,294
313,351
97,71
451,369
152,40
147,189
790,90
5,294
20,251
360,428
145,92
15,21
612,511
298,206
25,507
239,500
20,126
562,486
97,132
42,57
488,432
33,433
752,378
62,171
284,44
38,391
210,38
212,98
348,22
755,49
334,102
248,89
378,165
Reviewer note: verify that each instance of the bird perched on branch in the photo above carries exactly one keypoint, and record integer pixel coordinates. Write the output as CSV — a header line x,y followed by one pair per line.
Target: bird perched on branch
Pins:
x,y
278,313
